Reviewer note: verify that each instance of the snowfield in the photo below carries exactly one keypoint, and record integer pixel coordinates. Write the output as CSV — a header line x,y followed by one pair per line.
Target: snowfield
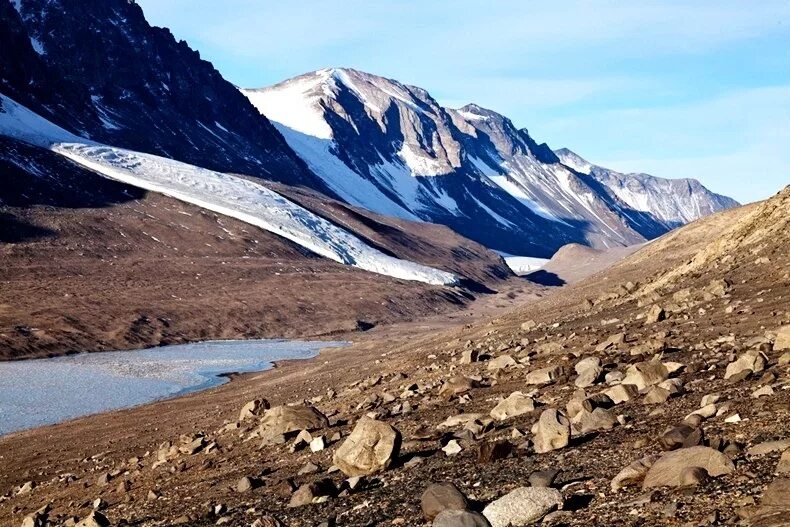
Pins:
x,y
226,194
523,264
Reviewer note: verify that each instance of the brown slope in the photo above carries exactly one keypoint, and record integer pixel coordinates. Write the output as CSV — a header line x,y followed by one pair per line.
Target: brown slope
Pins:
x,y
88,264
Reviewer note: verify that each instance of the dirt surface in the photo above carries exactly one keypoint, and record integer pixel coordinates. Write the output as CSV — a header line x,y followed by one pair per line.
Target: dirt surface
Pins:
x,y
722,289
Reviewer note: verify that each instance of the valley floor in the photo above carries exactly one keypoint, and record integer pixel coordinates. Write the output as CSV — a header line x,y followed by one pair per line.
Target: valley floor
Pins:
x,y
714,312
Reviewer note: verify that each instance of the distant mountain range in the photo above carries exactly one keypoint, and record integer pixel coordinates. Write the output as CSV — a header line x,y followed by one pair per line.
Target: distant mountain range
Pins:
x,y
98,70
392,148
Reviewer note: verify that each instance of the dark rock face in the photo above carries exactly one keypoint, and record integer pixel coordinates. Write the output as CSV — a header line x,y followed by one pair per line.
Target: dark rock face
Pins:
x,y
132,85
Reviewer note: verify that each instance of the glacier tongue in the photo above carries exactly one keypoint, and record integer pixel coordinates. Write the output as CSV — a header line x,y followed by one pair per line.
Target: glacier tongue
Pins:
x,y
249,202
226,194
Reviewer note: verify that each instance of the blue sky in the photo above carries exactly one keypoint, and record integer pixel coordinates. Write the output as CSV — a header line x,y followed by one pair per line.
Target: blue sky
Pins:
x,y
676,89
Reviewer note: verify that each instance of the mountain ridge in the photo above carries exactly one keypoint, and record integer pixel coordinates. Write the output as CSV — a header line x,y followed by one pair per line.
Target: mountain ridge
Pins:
x,y
392,148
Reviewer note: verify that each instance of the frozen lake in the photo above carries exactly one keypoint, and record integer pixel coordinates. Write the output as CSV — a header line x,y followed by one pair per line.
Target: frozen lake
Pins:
x,y
45,391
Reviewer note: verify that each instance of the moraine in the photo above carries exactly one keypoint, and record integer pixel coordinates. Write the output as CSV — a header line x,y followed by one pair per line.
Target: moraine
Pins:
x,y
47,391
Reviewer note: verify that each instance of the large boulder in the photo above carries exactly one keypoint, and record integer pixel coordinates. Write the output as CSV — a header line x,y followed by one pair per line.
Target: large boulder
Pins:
x,y
370,448
551,432
644,374
282,420
752,360
515,404
585,421
668,470
522,506
588,371
439,497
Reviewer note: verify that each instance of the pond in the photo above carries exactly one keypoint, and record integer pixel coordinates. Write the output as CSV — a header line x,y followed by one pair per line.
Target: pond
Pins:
x,y
46,391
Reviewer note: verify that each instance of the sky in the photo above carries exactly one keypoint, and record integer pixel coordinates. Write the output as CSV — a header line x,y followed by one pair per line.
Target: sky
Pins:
x,y
676,89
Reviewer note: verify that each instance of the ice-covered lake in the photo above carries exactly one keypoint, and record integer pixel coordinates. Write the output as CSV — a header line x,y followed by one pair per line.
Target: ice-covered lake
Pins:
x,y
45,391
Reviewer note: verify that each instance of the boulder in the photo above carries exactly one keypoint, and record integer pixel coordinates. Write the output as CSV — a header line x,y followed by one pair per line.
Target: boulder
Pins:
x,y
644,374
282,420
622,393
753,361
682,436
668,470
585,421
515,404
439,497
501,362
455,518
370,448
552,431
455,385
782,341
545,375
468,356
588,371
522,506
304,495
655,314
528,325
253,409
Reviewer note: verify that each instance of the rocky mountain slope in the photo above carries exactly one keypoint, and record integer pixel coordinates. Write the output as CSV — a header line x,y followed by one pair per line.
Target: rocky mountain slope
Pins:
x,y
392,148
674,202
99,70
641,395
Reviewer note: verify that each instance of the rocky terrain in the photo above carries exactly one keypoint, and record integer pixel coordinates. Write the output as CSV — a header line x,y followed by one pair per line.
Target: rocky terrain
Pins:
x,y
652,393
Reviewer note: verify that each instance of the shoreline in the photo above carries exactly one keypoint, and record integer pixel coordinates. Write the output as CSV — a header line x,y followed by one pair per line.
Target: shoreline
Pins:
x,y
211,379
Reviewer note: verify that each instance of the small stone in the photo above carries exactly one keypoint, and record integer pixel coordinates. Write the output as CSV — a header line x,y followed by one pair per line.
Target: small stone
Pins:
x,y
452,448
439,497
588,371
304,495
765,391
784,463
246,484
522,506
317,444
654,314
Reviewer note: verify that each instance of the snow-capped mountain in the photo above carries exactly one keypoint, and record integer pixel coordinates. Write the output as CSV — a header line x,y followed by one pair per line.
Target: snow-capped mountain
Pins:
x,y
392,148
672,201
98,69
233,196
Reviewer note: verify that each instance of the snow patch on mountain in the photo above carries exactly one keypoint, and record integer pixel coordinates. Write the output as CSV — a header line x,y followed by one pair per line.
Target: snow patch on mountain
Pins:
x,y
297,107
